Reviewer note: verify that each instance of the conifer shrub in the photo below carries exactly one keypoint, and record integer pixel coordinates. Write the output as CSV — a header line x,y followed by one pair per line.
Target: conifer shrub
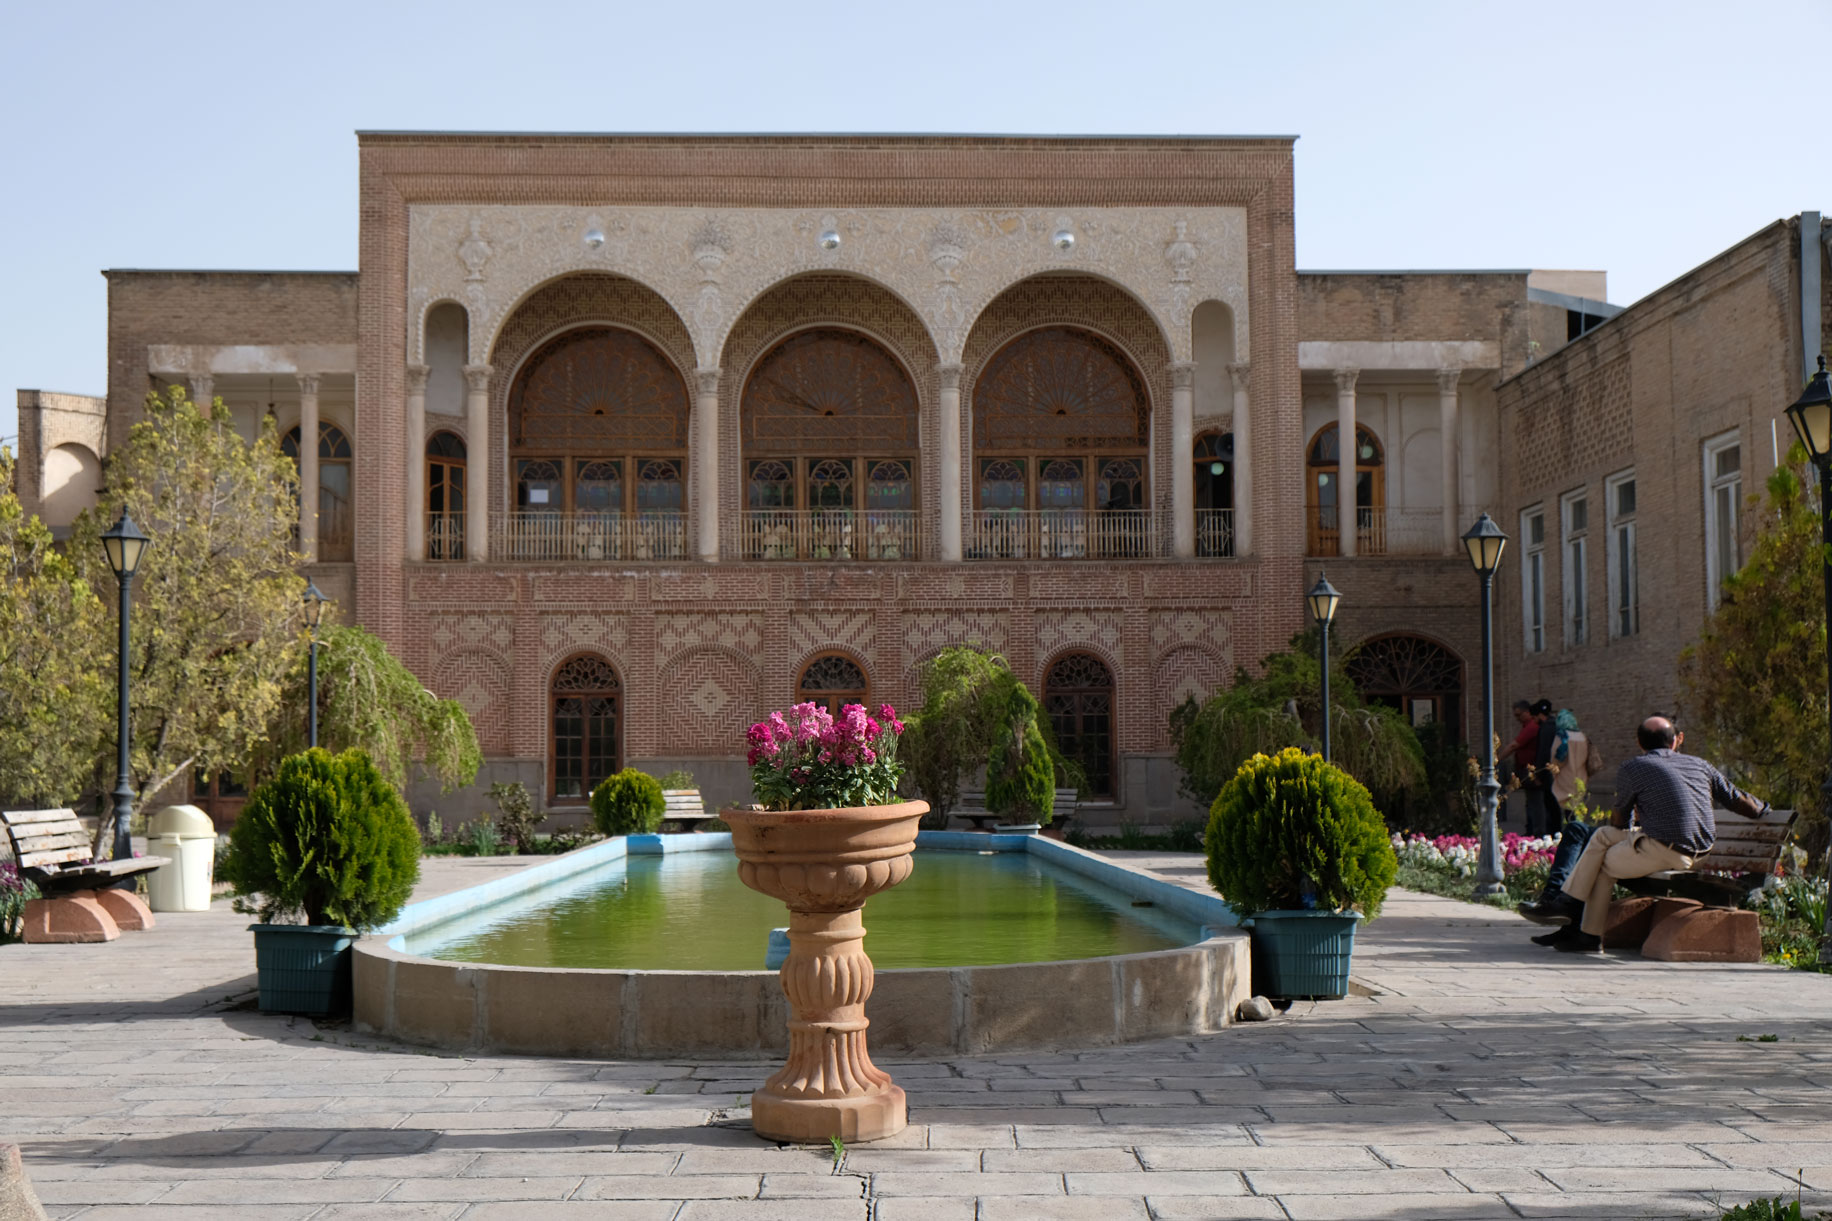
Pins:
x,y
329,840
629,803
1291,832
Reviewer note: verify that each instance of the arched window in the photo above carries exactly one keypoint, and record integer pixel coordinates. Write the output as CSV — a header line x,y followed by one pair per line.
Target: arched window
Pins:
x,y
833,680
1214,484
1325,500
335,536
829,424
445,491
1061,424
587,706
1078,699
1419,677
598,445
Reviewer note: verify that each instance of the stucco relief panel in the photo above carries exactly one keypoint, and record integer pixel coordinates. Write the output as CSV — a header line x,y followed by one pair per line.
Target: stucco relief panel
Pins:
x,y
709,265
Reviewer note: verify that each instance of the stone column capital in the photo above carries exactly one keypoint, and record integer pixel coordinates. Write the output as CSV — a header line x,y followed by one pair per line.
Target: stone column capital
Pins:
x,y
308,382
1239,374
1182,374
948,374
1345,380
1448,380
707,379
477,378
416,378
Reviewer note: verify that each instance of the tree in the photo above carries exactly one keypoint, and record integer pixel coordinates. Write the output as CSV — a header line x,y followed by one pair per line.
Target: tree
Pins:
x,y
217,615
1284,707
976,715
369,701
1755,681
53,636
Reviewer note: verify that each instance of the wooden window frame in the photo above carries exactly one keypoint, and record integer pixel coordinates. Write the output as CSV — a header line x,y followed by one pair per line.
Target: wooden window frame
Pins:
x,y
553,697
858,663
802,465
569,462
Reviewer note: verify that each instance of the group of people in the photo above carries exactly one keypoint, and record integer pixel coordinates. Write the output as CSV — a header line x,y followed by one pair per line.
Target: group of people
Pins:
x,y
1551,761
1662,820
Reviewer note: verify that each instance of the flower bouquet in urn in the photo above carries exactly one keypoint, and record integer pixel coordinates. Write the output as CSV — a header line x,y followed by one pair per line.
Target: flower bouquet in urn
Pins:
x,y
827,834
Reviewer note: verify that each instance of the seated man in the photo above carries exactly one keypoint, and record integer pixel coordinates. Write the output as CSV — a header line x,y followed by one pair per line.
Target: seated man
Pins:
x,y
1670,797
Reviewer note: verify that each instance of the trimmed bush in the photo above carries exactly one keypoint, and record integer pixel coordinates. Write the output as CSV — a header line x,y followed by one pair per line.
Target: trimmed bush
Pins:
x,y
629,803
327,839
1291,832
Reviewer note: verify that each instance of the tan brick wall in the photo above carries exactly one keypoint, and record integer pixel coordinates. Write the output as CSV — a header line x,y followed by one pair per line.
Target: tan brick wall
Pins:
x,y
1422,306
48,419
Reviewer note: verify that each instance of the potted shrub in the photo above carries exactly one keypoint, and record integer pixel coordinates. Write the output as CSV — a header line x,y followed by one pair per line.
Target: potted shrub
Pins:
x,y
629,803
1296,847
330,843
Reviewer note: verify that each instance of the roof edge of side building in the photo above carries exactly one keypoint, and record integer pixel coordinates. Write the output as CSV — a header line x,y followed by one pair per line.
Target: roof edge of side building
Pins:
x,y
221,271
1416,271
365,136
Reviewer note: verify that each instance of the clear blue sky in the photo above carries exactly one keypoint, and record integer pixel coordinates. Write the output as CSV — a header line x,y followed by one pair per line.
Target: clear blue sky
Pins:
x,y
1640,138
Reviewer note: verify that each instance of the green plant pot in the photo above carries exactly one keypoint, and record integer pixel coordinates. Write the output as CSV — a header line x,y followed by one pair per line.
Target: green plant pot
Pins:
x,y
303,968
1303,955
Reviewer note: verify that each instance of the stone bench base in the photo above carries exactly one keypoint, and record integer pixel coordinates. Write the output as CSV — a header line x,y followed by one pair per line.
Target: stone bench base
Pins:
x,y
18,1202
83,916
1684,930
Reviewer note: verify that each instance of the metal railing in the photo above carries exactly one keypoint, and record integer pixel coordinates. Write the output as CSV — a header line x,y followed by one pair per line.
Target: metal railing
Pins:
x,y
1214,533
1061,534
828,534
525,535
445,536
1387,531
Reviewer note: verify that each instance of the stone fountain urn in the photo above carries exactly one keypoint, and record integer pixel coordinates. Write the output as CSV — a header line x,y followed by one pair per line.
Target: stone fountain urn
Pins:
x,y
824,864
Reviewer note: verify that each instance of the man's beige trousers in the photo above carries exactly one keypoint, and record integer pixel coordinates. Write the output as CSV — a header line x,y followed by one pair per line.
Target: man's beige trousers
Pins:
x,y
1614,853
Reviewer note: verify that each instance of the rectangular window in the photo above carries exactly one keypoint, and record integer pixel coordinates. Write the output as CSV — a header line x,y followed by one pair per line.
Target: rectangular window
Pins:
x,y
1723,491
1574,521
1533,578
1624,584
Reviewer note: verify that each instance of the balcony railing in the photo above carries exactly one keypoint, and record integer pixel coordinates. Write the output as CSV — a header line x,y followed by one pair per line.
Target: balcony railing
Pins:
x,y
523,535
1214,533
1061,534
828,534
1386,531
445,536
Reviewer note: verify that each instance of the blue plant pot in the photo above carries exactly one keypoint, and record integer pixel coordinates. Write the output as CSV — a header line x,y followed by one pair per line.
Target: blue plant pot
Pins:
x,y
303,968
1303,955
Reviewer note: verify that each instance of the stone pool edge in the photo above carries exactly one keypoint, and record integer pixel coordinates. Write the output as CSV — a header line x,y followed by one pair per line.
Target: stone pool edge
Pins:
x,y
914,1012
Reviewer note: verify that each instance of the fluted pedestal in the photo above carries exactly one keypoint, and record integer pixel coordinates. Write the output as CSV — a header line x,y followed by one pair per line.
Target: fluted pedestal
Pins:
x,y
824,864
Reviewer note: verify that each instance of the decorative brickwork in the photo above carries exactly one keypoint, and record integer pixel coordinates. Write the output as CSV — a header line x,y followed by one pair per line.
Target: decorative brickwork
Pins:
x,y
479,679
708,696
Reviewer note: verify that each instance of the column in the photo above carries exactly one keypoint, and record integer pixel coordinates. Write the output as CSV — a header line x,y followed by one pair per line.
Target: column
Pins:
x,y
477,462
308,466
1182,461
706,466
1346,517
202,391
948,486
1447,452
416,461
1243,461
1395,439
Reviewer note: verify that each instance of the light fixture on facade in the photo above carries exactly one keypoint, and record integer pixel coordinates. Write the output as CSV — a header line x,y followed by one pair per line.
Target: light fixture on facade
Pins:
x,y
1216,468
594,238
830,239
1064,240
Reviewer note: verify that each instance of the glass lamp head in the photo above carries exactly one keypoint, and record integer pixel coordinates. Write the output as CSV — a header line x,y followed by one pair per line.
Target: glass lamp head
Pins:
x,y
1323,599
1485,542
1811,415
125,544
314,605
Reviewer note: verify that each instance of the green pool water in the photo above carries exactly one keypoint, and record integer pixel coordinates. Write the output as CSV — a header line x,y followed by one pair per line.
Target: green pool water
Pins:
x,y
689,912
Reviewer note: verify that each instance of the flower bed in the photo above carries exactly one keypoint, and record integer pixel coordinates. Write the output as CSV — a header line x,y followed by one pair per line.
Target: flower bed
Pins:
x,y
1446,865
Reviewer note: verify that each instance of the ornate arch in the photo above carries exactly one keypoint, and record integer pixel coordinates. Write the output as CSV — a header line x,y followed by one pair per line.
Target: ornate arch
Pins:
x,y
598,387
584,726
835,674
832,388
1080,697
1421,677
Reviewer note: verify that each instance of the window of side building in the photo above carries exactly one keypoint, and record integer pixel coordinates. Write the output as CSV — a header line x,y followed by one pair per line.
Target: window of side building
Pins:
x,y
1723,492
1624,582
1533,577
1574,526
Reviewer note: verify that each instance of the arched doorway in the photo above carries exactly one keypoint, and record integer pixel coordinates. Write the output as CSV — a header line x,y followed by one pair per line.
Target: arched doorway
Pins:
x,y
1325,502
830,430
833,680
1214,486
1078,699
445,495
1419,677
598,450
335,533
586,707
1061,428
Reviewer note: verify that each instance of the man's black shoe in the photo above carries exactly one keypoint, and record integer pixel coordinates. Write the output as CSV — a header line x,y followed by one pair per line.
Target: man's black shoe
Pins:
x,y
1560,909
1563,933
1580,943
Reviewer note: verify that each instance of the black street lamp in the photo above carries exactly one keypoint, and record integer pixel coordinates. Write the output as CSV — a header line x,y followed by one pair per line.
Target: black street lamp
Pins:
x,y
1486,542
1811,416
124,544
1323,600
314,612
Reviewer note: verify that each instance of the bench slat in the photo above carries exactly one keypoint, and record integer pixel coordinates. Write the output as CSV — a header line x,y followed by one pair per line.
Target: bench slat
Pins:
x,y
20,818
50,839
41,860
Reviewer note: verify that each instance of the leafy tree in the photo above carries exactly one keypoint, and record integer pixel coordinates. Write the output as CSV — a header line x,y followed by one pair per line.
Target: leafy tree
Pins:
x,y
976,715
216,622
1755,681
54,633
1284,707
368,700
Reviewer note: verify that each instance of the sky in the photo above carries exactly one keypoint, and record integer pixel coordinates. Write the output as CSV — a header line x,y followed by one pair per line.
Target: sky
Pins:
x,y
1639,138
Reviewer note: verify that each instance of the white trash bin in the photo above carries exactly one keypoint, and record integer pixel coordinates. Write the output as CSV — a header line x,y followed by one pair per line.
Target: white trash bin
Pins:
x,y
186,836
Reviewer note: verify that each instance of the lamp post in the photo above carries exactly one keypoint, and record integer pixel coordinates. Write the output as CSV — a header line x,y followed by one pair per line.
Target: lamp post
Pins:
x,y
1323,600
1811,416
124,544
314,611
1486,542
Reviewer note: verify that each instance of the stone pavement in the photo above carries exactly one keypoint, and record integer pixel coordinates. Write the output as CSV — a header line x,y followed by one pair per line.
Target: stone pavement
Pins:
x,y
1487,1078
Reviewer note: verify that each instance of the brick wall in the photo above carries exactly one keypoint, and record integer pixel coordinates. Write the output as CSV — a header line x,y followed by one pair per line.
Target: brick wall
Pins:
x,y
1422,306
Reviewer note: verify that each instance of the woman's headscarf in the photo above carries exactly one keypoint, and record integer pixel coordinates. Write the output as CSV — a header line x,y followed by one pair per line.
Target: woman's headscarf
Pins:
x,y
1567,723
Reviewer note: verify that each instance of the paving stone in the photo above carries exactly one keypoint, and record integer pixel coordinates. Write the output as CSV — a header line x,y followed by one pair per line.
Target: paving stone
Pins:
x,y
575,1210
1059,1208
772,1210
925,1208
1215,1208
1256,1157
672,1187
813,1186
278,1191
1091,1160
922,1183
1157,1183
1463,1207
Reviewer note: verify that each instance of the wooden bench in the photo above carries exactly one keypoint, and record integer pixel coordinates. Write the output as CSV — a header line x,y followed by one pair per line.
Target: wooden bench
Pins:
x,y
53,852
685,812
1739,863
1697,914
